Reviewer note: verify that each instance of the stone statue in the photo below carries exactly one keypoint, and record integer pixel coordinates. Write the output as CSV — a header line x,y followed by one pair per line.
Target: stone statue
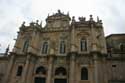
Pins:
x,y
59,11
37,21
32,24
73,19
23,24
82,19
91,18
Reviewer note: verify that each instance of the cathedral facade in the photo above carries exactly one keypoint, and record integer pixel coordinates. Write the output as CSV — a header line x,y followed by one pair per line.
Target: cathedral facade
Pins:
x,y
64,51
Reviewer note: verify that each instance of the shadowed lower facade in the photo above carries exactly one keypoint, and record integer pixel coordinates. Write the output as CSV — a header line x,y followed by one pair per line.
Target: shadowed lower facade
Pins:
x,y
64,51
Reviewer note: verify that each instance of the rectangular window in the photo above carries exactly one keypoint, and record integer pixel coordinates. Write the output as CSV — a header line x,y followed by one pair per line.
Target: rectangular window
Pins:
x,y
25,46
19,71
83,45
62,47
45,48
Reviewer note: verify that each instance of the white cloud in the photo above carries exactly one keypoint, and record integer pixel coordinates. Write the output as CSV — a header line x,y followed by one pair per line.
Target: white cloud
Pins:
x,y
13,12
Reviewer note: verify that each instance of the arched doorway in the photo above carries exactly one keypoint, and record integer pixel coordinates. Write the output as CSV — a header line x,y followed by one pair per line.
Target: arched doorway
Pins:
x,y
84,73
60,75
40,75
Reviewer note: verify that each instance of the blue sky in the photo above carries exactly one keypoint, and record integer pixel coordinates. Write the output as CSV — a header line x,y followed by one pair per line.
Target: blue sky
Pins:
x,y
14,12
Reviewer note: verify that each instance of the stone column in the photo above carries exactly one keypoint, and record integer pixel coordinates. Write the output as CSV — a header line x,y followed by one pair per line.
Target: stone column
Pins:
x,y
9,69
96,68
72,69
25,69
49,74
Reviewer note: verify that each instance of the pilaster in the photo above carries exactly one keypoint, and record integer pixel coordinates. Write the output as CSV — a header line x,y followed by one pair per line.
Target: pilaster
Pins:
x,y
30,74
93,33
50,66
96,68
9,69
73,48
25,70
72,68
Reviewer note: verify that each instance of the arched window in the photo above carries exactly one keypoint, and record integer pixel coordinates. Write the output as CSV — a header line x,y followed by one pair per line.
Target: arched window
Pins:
x,y
60,71
41,70
62,47
45,48
83,45
25,46
84,73
19,71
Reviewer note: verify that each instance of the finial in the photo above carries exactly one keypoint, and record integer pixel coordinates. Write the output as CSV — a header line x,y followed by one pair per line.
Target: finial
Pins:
x,y
82,19
91,18
73,18
97,19
100,21
37,21
23,24
32,23
59,11
68,13
7,50
41,23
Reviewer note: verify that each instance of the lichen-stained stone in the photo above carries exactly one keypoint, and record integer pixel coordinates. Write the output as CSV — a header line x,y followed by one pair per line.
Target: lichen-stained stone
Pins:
x,y
64,51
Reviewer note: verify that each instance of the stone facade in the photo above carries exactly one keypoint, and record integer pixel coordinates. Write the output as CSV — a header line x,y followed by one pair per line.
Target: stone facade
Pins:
x,y
63,51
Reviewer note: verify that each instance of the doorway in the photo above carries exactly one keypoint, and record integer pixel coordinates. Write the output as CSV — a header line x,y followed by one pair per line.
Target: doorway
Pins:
x,y
60,81
40,80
